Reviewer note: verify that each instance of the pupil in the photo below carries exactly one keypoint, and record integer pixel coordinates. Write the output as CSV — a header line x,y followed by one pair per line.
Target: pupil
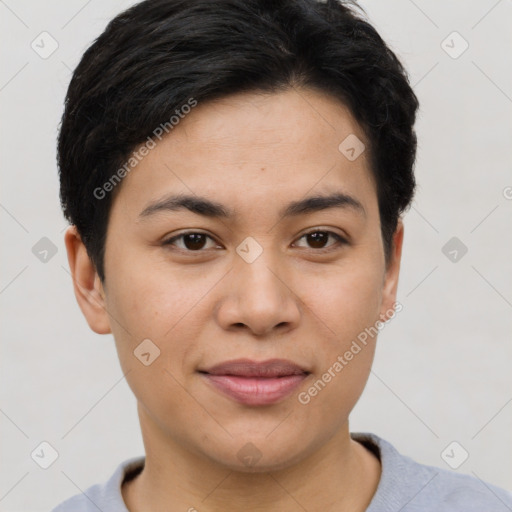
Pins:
x,y
317,239
197,241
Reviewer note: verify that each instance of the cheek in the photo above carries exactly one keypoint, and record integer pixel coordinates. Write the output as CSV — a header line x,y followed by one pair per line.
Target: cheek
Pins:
x,y
346,305
159,303
345,300
148,306
155,297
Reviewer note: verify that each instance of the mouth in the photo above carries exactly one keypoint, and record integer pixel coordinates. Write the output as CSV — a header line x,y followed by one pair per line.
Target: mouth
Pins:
x,y
255,383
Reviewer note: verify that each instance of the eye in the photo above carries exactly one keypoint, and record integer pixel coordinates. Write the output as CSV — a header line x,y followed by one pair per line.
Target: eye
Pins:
x,y
318,239
192,241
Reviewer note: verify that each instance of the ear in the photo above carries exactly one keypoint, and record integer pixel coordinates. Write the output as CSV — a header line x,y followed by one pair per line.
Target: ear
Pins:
x,y
88,288
392,272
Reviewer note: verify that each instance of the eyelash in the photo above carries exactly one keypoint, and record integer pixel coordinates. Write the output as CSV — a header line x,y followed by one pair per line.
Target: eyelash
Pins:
x,y
340,240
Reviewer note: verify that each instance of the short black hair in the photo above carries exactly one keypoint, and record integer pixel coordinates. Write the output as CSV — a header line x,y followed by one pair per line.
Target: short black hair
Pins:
x,y
154,57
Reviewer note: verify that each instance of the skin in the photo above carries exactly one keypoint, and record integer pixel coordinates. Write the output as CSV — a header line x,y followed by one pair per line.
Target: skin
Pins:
x,y
254,153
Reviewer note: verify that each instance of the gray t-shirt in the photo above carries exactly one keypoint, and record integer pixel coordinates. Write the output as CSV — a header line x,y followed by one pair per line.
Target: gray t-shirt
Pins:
x,y
404,486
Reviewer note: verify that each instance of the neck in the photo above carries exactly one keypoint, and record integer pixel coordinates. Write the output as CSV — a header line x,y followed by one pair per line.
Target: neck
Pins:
x,y
341,475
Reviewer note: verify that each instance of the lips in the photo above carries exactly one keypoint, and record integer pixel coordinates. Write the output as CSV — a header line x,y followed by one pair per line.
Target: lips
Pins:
x,y
271,368
255,383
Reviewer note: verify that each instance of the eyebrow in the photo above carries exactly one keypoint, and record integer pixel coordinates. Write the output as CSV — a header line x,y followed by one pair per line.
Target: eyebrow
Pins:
x,y
209,208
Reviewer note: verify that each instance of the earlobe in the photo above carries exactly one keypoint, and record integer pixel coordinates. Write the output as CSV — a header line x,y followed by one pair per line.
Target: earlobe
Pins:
x,y
87,285
392,273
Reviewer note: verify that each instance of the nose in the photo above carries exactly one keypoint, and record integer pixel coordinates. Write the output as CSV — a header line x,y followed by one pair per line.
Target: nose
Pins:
x,y
259,297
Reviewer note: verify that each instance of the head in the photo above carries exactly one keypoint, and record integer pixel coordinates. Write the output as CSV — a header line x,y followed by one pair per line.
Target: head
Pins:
x,y
257,112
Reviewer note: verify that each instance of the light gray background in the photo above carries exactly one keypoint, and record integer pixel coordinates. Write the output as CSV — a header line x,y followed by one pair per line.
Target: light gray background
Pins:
x,y
442,369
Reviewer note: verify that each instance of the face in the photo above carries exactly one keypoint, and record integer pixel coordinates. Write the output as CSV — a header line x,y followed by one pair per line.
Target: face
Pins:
x,y
265,280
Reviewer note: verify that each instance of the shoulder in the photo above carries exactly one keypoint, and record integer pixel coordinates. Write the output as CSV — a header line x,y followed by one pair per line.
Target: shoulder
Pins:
x,y
409,486
106,496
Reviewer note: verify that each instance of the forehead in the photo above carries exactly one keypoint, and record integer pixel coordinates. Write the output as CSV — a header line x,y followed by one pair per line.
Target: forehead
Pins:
x,y
258,149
